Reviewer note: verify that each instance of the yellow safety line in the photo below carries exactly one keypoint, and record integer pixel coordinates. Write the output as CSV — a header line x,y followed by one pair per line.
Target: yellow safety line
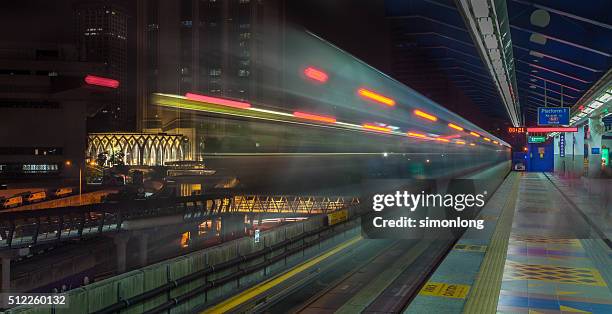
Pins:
x,y
486,288
250,293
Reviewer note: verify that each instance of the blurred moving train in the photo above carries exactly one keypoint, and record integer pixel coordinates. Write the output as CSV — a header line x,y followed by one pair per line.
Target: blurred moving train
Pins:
x,y
34,197
326,118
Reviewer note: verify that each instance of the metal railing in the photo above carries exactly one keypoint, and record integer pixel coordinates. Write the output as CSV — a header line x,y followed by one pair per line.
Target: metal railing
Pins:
x,y
33,227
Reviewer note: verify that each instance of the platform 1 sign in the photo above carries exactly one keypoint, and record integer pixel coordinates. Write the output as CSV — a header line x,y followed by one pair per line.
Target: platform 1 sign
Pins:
x,y
553,116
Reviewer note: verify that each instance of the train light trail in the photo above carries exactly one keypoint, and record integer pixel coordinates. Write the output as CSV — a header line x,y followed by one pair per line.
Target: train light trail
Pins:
x,y
460,142
442,140
374,127
376,97
314,117
425,115
495,142
453,136
456,127
474,134
218,101
316,74
101,81
487,139
419,135
472,144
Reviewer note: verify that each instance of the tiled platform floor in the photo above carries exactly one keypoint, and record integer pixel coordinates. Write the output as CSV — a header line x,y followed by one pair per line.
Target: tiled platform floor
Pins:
x,y
555,263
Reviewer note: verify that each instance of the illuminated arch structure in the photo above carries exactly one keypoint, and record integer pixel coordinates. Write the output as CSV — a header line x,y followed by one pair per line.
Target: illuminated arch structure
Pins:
x,y
139,148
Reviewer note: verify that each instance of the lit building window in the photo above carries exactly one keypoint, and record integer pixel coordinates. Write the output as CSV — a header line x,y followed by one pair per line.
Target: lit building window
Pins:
x,y
39,168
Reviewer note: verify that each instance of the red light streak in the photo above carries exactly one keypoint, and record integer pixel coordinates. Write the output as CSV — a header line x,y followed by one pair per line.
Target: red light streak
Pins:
x,y
376,128
376,97
425,115
218,101
552,129
314,117
316,74
456,127
101,81
453,136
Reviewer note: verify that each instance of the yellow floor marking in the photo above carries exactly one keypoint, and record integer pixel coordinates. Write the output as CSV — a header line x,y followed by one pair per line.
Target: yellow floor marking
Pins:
x,y
440,289
250,293
553,273
564,308
567,292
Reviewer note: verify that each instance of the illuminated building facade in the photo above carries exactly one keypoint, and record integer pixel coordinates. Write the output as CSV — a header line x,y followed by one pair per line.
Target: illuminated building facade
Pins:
x,y
139,148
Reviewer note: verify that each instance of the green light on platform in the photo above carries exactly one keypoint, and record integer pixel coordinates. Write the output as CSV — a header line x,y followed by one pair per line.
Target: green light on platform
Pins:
x,y
537,139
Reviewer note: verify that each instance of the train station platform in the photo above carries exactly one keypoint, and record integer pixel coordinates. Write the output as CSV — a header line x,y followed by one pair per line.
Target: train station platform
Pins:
x,y
548,252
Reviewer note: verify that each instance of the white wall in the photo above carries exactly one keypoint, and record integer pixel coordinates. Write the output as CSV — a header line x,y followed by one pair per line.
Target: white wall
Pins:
x,y
593,141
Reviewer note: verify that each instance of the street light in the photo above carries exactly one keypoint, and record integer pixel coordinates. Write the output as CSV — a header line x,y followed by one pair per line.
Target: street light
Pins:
x,y
69,163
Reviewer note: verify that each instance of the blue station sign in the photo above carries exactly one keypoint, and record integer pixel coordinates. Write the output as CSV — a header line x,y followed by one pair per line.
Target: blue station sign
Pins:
x,y
553,116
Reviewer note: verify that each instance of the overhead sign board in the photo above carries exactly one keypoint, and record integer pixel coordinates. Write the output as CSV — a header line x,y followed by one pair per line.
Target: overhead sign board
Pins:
x,y
553,115
537,139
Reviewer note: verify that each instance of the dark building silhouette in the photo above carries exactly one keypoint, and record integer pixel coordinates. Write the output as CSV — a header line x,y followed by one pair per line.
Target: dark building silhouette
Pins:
x,y
101,30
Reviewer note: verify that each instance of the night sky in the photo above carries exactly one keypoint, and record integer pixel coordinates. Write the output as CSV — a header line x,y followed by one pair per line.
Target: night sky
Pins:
x,y
37,21
357,26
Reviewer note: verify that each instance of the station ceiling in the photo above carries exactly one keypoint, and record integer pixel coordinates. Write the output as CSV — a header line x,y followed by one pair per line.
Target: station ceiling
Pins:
x,y
561,49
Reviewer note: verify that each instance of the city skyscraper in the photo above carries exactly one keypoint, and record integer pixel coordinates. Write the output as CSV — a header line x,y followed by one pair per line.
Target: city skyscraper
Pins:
x,y
208,46
101,30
